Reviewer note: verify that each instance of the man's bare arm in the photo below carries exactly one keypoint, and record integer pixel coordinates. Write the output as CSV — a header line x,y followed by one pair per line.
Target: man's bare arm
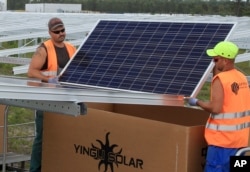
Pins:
x,y
36,64
216,102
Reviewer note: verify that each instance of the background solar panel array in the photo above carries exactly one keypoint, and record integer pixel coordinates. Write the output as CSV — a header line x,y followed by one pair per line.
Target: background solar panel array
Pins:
x,y
156,57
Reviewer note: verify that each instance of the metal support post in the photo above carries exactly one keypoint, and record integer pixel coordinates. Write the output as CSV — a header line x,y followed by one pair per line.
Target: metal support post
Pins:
x,y
242,151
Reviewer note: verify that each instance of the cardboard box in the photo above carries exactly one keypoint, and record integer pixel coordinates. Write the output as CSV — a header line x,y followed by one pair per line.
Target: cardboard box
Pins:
x,y
122,138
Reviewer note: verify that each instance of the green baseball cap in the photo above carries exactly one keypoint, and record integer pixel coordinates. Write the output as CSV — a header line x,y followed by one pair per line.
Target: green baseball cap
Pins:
x,y
224,49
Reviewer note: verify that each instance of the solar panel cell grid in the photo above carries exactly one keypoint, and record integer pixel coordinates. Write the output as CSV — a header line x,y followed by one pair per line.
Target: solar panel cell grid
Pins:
x,y
156,57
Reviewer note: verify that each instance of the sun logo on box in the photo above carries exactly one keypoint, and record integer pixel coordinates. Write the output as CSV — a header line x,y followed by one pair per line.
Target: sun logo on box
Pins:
x,y
107,153
107,156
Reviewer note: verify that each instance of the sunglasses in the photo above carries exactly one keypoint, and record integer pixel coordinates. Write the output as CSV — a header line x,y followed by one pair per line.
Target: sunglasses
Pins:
x,y
58,31
215,60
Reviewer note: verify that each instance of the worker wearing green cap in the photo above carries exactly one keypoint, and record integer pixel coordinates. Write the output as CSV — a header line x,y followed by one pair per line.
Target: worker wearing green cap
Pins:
x,y
227,128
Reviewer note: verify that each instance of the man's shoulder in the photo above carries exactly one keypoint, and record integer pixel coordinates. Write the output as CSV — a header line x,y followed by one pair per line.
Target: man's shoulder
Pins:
x,y
42,46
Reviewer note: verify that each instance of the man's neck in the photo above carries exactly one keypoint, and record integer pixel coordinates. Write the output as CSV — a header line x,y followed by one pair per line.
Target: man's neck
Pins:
x,y
229,67
58,44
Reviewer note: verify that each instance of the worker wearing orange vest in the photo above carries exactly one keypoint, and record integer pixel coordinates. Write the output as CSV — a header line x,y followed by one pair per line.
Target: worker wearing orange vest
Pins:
x,y
46,63
52,69
227,129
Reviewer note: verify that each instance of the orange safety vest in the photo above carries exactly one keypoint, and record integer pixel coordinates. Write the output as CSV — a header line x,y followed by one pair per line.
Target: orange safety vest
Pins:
x,y
51,71
230,128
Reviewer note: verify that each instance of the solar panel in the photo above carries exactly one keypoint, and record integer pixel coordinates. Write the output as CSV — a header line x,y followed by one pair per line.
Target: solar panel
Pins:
x,y
146,56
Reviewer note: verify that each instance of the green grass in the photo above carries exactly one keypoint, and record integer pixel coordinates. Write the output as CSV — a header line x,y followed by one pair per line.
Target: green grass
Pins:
x,y
20,129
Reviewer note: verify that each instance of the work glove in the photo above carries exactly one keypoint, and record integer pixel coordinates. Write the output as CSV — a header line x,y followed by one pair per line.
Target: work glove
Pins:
x,y
192,101
53,80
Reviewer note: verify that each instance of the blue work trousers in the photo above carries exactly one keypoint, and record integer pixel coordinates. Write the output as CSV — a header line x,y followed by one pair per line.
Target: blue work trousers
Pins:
x,y
218,159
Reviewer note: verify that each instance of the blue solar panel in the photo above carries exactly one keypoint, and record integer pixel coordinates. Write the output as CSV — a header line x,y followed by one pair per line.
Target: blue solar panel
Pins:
x,y
155,57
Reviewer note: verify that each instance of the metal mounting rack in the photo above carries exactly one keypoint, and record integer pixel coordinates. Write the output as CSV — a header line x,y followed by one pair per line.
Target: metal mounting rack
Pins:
x,y
68,108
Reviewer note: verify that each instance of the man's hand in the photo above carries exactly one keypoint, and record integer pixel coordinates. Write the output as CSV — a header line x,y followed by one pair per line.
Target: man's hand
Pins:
x,y
192,101
53,80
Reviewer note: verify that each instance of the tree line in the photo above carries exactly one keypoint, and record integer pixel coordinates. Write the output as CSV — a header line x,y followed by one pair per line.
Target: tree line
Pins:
x,y
212,7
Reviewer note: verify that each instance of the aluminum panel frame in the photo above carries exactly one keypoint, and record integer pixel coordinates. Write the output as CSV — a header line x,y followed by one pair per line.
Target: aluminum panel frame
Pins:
x,y
26,89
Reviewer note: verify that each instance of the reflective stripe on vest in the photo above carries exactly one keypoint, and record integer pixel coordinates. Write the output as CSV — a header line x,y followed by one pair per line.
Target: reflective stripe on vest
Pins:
x,y
229,116
49,73
227,127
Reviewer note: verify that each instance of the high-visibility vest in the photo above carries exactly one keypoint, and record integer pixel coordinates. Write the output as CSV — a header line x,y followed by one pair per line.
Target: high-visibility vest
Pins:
x,y
51,71
230,128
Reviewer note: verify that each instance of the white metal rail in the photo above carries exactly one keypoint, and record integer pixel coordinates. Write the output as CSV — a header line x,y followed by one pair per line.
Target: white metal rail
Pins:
x,y
242,151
